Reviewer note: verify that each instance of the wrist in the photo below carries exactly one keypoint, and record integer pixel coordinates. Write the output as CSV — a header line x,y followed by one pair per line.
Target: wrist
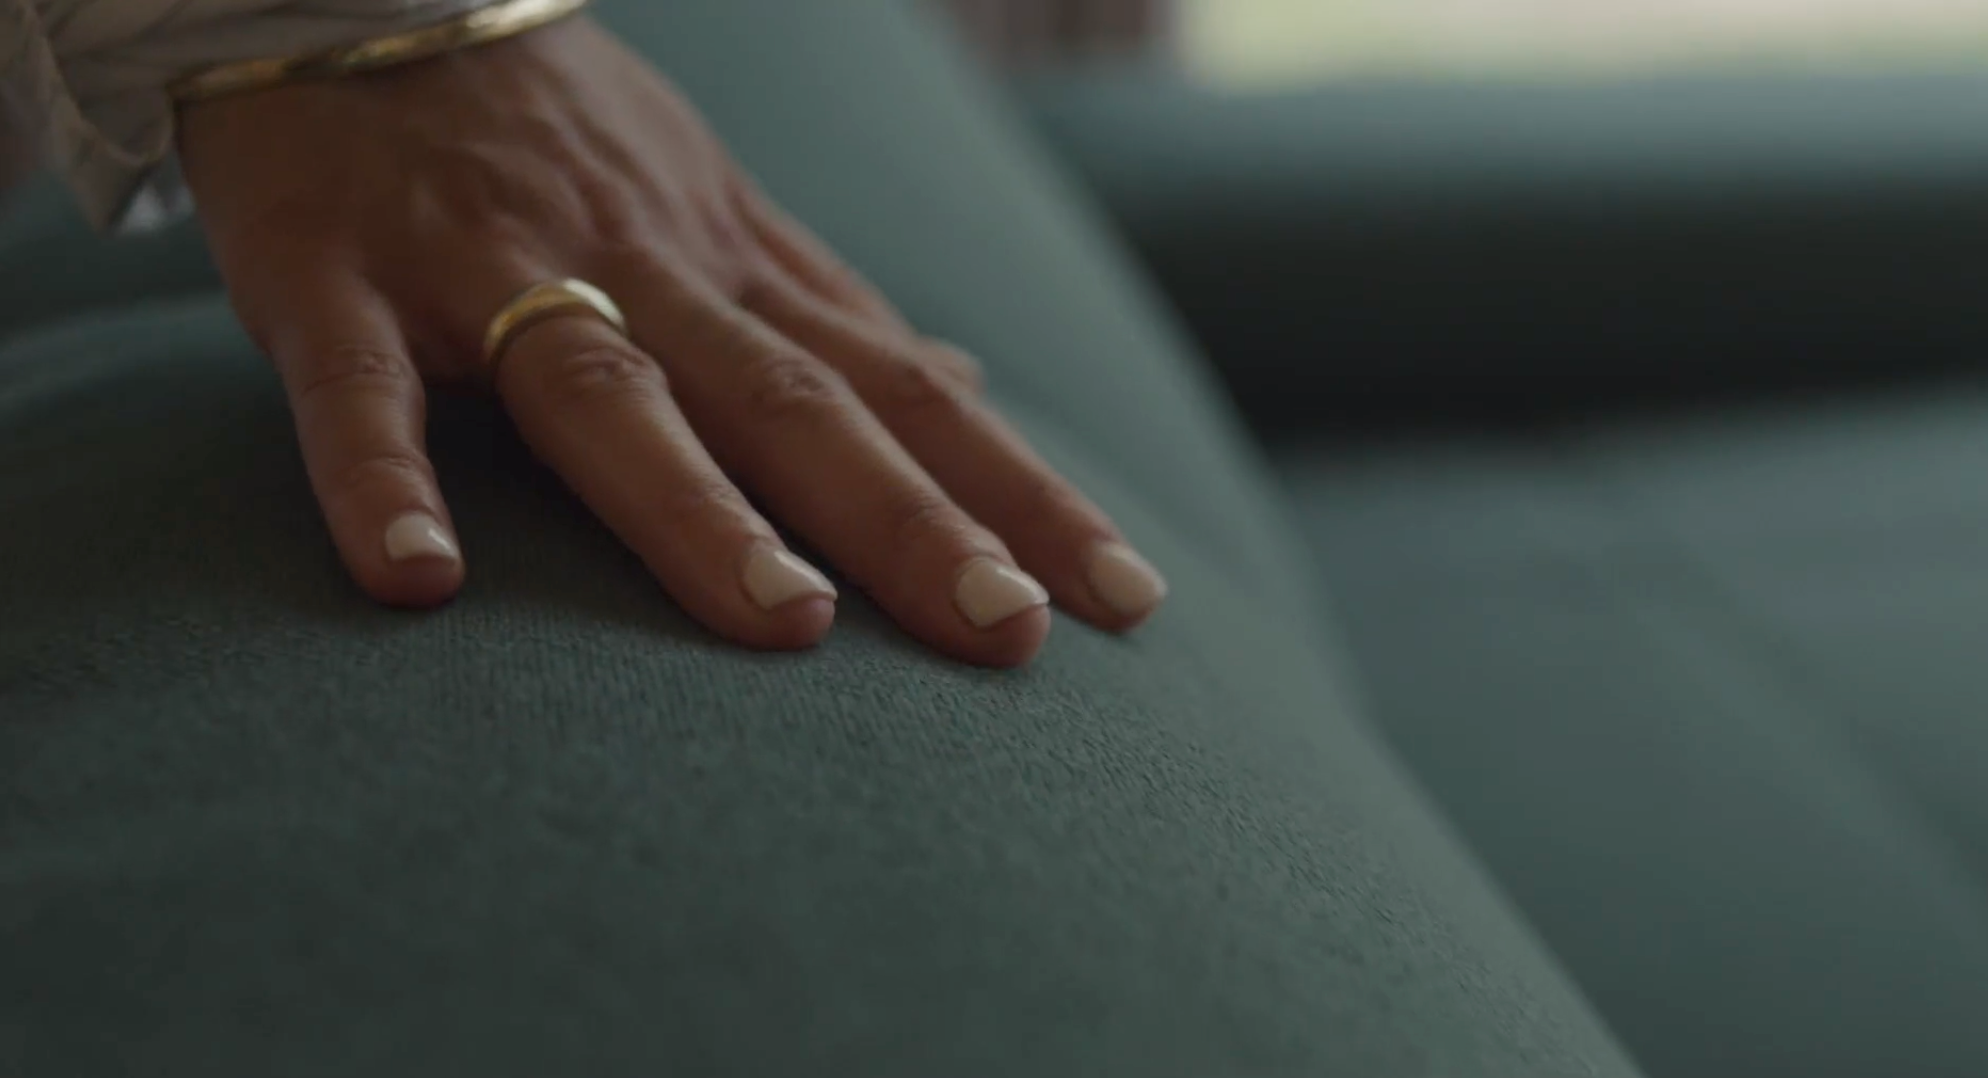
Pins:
x,y
98,88
483,25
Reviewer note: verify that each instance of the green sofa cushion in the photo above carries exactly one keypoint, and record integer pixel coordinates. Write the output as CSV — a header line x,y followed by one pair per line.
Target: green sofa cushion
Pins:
x,y
1707,694
252,825
1464,248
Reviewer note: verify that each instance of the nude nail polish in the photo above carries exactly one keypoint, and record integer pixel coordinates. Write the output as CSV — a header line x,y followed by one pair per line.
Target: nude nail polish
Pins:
x,y
774,577
990,592
1124,581
412,536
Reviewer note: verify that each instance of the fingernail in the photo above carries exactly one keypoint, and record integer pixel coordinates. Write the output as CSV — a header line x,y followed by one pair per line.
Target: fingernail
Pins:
x,y
418,535
774,578
1124,581
990,592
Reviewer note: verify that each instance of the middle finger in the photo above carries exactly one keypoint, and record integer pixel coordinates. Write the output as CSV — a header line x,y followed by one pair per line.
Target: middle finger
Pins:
x,y
792,430
599,412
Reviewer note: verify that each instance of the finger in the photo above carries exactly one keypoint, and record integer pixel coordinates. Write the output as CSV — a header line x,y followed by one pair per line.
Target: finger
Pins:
x,y
960,370
1056,533
360,410
598,411
810,262
791,430
807,259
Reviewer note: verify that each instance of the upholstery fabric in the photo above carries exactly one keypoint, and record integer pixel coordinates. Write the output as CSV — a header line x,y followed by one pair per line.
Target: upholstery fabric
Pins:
x,y
252,825
1706,693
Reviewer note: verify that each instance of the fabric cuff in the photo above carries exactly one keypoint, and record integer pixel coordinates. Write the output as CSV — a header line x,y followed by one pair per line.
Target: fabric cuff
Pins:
x,y
93,74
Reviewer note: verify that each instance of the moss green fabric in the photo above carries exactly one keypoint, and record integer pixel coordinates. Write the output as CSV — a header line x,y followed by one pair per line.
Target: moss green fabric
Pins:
x,y
252,825
1499,246
1707,694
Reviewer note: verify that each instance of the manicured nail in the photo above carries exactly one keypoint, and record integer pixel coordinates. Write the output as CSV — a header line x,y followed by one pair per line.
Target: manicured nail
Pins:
x,y
990,592
1124,581
418,535
774,578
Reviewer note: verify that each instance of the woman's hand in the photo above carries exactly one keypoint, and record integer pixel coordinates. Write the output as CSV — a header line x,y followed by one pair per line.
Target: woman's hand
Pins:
x,y
370,228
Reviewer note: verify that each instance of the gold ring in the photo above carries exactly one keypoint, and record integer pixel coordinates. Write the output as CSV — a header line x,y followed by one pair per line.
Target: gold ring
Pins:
x,y
540,302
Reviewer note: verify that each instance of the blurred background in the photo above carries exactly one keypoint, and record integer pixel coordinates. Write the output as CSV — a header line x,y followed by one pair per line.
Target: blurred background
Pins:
x,y
1272,41
1266,43
1625,363
1503,206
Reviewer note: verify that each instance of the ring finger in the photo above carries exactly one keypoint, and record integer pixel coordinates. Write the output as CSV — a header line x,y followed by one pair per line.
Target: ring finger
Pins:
x,y
598,411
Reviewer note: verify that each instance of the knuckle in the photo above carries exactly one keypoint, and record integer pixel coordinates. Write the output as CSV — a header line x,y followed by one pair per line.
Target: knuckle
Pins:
x,y
704,506
269,233
352,370
489,185
726,232
1039,495
834,271
601,371
505,231
963,368
928,519
752,281
787,386
1047,498
388,476
613,219
638,254
912,386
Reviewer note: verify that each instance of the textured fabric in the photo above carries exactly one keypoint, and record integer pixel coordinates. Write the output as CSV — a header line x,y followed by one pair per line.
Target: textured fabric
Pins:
x,y
1707,694
91,75
253,825
1367,248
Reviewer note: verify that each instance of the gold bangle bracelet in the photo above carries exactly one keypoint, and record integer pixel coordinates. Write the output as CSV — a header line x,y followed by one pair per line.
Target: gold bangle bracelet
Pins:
x,y
495,22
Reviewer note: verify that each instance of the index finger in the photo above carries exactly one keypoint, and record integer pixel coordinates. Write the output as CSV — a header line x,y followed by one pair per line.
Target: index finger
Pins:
x,y
360,410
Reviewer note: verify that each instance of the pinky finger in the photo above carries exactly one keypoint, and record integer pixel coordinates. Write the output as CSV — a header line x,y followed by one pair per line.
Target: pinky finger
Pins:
x,y
806,259
809,263
360,410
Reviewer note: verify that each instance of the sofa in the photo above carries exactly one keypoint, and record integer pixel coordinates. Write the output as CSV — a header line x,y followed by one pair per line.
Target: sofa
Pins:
x,y
1637,431
1569,669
